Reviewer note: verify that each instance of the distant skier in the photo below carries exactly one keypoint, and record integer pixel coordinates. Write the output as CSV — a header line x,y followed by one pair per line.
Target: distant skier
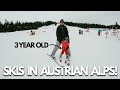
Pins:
x,y
87,30
80,32
61,33
99,32
65,47
32,32
106,34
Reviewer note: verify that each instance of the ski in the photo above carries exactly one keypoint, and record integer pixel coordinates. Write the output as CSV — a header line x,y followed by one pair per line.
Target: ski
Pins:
x,y
55,60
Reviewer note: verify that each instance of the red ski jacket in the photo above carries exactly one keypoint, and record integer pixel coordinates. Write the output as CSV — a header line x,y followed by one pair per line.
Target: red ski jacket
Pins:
x,y
65,45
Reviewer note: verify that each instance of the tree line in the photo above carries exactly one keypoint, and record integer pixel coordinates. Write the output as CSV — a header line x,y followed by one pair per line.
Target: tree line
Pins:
x,y
87,25
20,26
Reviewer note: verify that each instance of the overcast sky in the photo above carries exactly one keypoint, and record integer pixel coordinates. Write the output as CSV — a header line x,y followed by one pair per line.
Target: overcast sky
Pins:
x,y
99,17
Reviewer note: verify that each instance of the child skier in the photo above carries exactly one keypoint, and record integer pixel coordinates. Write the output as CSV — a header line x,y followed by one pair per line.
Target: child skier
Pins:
x,y
65,47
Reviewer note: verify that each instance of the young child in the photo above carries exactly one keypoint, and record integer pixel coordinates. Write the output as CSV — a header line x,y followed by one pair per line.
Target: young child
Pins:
x,y
65,47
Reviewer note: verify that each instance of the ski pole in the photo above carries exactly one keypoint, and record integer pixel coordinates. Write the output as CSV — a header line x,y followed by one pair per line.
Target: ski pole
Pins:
x,y
55,45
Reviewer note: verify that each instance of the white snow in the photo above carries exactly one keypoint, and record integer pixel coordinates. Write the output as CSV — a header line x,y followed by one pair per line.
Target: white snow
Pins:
x,y
87,50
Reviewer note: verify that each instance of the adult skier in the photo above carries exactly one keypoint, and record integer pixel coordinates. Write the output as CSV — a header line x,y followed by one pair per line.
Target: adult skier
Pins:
x,y
61,33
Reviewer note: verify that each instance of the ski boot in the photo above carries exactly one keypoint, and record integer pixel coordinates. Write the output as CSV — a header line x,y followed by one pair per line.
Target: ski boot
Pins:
x,y
68,60
53,56
68,63
67,57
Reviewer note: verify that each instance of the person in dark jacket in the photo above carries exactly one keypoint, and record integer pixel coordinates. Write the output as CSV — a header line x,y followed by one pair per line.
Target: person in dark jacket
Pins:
x,y
80,32
61,34
99,32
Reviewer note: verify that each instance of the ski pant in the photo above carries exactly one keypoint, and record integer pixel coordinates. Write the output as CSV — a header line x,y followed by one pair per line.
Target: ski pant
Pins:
x,y
66,52
56,48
